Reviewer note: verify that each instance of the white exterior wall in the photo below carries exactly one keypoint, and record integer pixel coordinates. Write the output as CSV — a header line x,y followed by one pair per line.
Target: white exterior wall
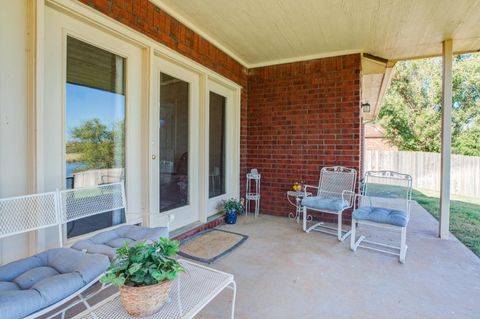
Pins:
x,y
14,154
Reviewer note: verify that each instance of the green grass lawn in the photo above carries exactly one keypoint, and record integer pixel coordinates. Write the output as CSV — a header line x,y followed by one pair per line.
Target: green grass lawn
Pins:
x,y
464,217
464,212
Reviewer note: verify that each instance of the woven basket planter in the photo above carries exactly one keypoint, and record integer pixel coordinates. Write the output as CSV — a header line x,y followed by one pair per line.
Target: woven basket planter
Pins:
x,y
144,301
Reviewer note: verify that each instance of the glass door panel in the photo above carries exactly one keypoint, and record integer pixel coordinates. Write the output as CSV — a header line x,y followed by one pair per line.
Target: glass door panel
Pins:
x,y
216,153
173,143
95,126
221,180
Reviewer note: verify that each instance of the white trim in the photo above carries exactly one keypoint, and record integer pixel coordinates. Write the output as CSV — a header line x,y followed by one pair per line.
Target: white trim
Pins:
x,y
231,161
304,58
37,240
387,79
34,98
203,174
444,213
173,13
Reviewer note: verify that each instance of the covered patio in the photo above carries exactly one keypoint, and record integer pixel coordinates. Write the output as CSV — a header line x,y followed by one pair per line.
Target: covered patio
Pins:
x,y
284,273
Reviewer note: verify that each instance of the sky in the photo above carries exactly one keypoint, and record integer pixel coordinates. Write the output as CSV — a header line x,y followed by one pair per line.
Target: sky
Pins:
x,y
85,103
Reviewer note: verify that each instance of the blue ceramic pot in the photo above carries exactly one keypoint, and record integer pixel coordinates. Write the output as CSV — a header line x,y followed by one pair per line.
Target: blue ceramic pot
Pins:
x,y
231,217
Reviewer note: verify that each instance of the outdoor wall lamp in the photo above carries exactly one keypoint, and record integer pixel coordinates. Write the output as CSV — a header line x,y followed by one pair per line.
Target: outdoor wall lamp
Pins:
x,y
366,107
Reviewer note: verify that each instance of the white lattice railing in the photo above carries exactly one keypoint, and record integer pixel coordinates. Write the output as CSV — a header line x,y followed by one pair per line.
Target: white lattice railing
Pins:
x,y
84,202
27,213
33,212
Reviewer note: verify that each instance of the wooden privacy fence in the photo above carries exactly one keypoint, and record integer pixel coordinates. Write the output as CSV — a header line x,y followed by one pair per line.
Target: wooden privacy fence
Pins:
x,y
425,169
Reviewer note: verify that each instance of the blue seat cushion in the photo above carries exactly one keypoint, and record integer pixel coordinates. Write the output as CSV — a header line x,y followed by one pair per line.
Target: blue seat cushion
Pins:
x,y
381,215
325,203
37,282
107,242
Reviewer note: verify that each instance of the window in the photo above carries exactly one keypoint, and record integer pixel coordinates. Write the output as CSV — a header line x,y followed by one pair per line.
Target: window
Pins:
x,y
217,145
95,126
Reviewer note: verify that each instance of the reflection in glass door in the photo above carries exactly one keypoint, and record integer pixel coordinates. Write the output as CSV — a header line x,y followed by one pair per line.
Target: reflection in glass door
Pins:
x,y
95,126
216,153
173,142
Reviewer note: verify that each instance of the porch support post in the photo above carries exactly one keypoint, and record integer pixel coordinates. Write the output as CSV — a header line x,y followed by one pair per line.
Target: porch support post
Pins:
x,y
444,216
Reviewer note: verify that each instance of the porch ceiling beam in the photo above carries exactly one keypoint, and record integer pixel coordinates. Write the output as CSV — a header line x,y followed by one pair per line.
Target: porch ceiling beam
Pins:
x,y
444,216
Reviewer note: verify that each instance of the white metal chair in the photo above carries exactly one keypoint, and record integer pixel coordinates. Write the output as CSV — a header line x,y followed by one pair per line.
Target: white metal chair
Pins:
x,y
385,202
335,194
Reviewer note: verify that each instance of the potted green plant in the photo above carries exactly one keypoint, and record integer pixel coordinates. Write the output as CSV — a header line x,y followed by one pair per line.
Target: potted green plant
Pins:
x,y
144,275
232,208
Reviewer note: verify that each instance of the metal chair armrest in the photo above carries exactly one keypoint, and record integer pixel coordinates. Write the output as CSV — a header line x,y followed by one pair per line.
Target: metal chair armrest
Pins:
x,y
350,194
357,198
306,187
409,207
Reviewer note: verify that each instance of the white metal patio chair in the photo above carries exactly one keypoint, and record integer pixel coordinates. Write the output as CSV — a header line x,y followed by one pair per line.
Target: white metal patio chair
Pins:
x,y
335,194
385,203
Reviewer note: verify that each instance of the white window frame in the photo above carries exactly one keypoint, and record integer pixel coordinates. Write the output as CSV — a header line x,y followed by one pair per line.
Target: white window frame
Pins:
x,y
214,204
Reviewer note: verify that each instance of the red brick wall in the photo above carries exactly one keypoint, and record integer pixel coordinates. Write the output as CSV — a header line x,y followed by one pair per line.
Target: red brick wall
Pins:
x,y
301,117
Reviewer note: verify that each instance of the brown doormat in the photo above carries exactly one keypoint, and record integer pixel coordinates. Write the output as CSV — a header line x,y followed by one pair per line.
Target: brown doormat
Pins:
x,y
210,245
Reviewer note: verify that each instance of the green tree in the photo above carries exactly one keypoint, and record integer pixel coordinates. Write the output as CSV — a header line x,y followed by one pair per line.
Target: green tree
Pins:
x,y
411,113
98,147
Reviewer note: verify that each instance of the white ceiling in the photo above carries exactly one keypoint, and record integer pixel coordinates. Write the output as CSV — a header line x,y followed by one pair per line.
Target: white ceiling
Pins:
x,y
264,32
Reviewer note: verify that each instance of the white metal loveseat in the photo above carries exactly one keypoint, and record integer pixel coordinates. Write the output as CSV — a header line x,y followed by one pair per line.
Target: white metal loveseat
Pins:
x,y
36,285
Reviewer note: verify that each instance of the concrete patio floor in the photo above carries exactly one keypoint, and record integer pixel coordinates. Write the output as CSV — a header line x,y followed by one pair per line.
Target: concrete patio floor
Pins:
x,y
282,272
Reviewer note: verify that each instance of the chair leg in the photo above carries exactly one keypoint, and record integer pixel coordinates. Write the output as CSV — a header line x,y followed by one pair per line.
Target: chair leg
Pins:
x,y
341,234
403,245
304,219
353,235
339,227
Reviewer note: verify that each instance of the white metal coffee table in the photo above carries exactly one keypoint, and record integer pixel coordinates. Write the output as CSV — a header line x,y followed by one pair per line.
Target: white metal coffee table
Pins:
x,y
191,292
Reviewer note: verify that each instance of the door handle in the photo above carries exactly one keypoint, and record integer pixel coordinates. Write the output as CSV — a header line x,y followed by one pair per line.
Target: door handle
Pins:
x,y
154,157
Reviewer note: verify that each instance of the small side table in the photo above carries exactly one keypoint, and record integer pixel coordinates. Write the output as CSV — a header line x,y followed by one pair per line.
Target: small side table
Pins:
x,y
297,204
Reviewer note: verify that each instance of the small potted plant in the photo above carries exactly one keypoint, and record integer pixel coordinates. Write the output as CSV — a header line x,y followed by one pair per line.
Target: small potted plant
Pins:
x,y
144,273
232,208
